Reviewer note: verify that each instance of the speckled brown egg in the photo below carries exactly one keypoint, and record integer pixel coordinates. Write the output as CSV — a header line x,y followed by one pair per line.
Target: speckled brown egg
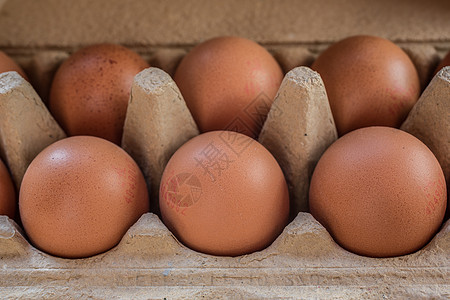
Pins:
x,y
369,81
80,195
379,191
7,193
223,193
90,91
229,83
8,64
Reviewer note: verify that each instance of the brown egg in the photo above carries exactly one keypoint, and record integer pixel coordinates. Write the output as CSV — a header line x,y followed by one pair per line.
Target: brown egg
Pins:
x,y
369,81
7,65
379,191
80,195
223,193
91,89
229,83
7,193
444,63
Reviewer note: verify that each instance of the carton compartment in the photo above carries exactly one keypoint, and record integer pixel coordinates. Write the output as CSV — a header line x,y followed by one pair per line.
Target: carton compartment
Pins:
x,y
303,261
41,64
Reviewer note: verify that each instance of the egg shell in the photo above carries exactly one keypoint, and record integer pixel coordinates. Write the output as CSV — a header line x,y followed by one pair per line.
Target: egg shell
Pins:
x,y
7,64
369,81
7,193
229,83
80,195
379,191
90,91
223,193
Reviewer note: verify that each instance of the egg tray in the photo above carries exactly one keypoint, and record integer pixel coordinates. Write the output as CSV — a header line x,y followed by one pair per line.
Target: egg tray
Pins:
x,y
149,262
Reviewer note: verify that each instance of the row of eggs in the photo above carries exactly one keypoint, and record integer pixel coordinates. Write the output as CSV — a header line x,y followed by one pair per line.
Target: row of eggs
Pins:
x,y
81,194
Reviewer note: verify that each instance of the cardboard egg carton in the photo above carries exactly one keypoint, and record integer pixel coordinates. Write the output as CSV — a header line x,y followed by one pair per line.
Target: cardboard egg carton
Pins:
x,y
304,261
149,262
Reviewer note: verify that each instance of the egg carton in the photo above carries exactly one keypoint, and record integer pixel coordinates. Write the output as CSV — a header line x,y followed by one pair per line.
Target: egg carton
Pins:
x,y
149,262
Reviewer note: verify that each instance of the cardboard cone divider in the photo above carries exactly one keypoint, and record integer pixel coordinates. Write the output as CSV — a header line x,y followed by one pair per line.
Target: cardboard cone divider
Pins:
x,y
429,120
26,126
158,122
150,261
